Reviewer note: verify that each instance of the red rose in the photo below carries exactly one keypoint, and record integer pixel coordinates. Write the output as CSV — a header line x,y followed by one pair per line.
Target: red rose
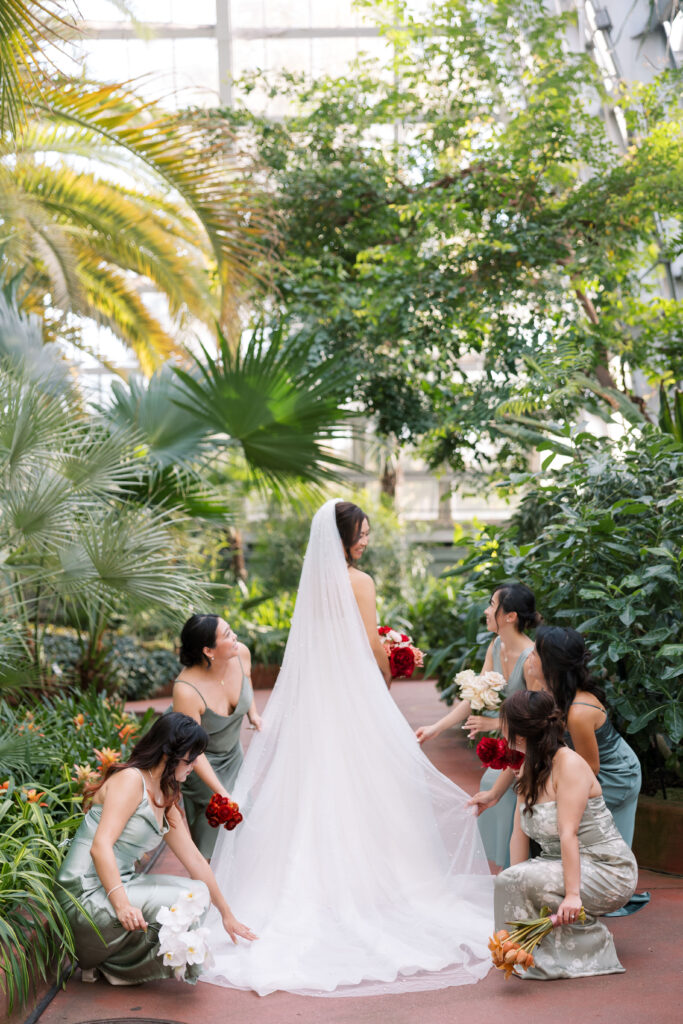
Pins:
x,y
222,811
514,759
487,751
402,662
383,630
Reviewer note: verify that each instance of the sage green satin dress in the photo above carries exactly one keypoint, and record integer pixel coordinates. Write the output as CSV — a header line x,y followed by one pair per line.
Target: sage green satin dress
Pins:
x,y
496,823
225,755
608,879
122,956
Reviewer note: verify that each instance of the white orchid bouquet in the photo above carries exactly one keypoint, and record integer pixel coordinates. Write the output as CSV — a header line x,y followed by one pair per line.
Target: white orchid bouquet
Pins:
x,y
181,943
484,691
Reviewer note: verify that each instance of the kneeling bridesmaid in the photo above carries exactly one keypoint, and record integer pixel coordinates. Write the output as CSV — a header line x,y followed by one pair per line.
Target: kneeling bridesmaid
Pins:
x,y
131,810
584,860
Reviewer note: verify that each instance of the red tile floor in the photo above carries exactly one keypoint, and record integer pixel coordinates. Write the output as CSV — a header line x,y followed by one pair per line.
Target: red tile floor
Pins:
x,y
649,945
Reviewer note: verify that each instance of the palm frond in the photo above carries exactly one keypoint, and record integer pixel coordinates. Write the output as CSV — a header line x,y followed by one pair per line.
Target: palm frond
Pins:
x,y
205,170
282,410
23,28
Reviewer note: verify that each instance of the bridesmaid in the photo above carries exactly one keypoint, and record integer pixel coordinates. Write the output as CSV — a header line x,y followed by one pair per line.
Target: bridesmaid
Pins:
x,y
215,690
132,809
510,613
559,663
584,861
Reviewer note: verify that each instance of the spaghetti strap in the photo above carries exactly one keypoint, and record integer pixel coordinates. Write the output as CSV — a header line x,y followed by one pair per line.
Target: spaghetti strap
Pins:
x,y
188,683
142,778
585,704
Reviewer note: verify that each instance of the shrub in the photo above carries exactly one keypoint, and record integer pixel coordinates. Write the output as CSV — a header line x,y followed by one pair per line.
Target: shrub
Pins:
x,y
599,542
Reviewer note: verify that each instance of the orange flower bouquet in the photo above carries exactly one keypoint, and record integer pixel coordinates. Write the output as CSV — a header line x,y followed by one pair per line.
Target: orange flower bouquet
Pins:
x,y
515,949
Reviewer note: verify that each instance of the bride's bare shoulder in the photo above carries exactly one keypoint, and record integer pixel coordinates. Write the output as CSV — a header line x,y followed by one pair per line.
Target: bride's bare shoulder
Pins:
x,y
361,582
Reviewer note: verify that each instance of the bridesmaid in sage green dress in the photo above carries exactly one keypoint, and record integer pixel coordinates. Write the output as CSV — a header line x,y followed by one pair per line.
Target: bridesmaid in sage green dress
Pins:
x,y
510,613
590,866
133,809
215,690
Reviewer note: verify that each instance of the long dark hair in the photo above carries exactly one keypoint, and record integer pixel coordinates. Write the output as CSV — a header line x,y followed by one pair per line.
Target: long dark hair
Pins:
x,y
535,717
198,632
564,660
349,524
172,736
516,597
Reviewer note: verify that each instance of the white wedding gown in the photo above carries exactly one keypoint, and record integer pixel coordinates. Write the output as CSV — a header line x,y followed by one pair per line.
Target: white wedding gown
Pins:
x,y
357,863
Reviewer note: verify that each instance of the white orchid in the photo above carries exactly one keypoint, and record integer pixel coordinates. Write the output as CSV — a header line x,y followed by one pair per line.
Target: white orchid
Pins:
x,y
181,944
176,917
195,900
175,952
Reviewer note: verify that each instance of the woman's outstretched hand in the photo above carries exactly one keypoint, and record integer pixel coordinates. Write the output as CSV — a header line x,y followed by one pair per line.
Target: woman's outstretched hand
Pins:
x,y
482,800
426,732
132,918
255,722
236,929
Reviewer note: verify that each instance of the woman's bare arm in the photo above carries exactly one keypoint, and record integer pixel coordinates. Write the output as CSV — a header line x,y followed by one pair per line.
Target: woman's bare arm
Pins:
x,y
364,592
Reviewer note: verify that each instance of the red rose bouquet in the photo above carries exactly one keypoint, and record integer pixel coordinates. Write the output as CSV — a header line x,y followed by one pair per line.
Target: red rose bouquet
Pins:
x,y
404,657
222,811
496,754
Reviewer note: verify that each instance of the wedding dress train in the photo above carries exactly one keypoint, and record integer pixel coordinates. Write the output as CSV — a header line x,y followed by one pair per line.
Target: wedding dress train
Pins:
x,y
357,863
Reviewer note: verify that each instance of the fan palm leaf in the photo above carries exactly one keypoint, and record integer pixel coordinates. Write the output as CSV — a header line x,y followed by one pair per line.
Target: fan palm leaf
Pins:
x,y
283,411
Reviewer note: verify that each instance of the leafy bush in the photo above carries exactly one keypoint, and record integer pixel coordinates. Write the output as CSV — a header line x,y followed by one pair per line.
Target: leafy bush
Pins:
x,y
47,752
599,542
262,623
124,665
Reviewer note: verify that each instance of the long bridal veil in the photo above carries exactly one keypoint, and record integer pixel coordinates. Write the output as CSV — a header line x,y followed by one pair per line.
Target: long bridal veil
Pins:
x,y
357,863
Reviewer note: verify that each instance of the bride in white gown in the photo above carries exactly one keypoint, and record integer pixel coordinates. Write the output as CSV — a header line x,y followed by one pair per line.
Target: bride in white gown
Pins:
x,y
357,863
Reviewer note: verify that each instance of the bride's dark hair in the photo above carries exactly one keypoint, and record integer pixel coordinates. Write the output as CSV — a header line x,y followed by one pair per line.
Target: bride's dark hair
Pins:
x,y
349,524
535,717
564,660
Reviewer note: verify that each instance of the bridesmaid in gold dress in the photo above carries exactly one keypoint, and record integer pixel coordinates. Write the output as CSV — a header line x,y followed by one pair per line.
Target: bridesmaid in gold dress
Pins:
x,y
214,689
131,811
584,861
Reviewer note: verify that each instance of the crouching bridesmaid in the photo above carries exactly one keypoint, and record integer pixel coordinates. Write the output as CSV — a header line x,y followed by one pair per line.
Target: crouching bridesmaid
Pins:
x,y
131,810
584,860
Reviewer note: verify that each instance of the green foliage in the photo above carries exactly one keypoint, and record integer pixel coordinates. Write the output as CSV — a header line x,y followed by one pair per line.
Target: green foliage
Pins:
x,y
40,798
131,669
599,543
270,398
436,213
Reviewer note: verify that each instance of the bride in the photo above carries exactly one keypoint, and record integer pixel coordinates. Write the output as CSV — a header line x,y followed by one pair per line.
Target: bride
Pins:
x,y
356,864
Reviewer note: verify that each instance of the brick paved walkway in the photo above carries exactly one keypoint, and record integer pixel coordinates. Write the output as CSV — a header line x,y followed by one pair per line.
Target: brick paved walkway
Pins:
x,y
648,944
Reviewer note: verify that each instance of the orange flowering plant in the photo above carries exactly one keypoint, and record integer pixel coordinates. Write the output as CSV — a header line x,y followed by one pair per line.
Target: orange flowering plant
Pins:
x,y
510,950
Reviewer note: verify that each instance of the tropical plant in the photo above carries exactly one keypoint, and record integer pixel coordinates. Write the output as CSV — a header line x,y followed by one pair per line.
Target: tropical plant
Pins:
x,y
598,540
458,225
186,221
72,543
23,24
67,738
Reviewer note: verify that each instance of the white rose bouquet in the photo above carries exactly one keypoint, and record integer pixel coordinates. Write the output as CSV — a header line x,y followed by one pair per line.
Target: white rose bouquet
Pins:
x,y
181,943
484,691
